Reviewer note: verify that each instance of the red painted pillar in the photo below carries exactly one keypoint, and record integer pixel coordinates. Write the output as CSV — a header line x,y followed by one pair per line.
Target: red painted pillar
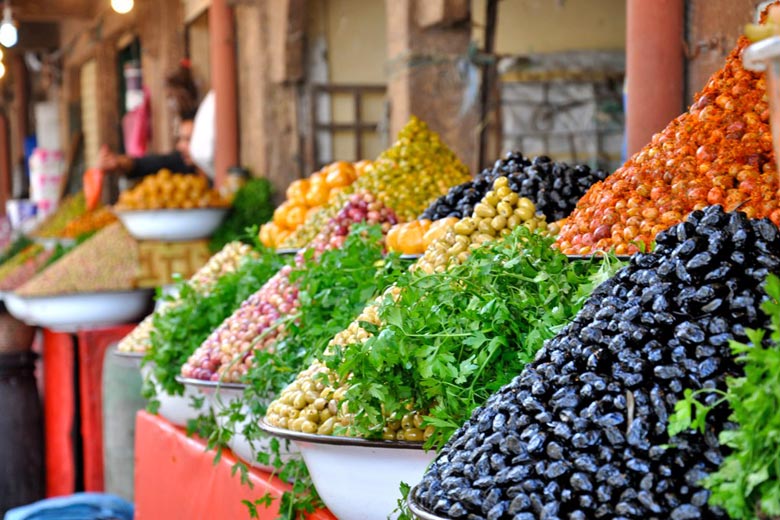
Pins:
x,y
222,45
654,67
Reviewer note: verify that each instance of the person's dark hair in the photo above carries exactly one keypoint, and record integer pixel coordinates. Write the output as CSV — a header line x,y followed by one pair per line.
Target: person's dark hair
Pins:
x,y
187,115
182,88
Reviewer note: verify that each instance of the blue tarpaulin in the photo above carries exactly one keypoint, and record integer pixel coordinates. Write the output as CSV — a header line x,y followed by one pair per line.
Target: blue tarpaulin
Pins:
x,y
81,506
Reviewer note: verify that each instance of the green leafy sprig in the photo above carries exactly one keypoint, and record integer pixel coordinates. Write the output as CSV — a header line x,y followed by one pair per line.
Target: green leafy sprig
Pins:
x,y
747,484
451,339
192,315
333,289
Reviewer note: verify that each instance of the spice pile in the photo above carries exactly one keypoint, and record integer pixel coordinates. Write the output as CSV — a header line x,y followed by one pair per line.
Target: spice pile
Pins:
x,y
719,152
106,262
70,209
582,431
88,223
23,266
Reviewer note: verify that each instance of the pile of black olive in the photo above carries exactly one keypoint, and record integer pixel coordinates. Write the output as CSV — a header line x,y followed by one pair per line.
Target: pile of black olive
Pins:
x,y
582,431
554,187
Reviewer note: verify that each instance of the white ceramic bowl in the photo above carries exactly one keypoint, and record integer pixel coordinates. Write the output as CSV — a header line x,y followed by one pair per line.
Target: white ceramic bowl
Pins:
x,y
176,409
70,312
358,479
221,396
16,306
128,358
172,224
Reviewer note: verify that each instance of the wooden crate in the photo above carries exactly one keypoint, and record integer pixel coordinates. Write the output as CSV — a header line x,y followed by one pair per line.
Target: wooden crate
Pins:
x,y
159,261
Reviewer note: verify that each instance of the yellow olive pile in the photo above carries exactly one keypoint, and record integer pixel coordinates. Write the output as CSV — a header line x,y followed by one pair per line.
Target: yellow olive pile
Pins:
x,y
166,190
406,177
225,261
308,405
500,211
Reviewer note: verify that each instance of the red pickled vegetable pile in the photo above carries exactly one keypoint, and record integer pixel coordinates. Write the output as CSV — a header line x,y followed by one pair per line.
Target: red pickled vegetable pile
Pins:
x,y
719,152
227,354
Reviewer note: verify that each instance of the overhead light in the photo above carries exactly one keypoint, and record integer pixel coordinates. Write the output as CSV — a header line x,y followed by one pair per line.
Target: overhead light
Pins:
x,y
8,34
122,6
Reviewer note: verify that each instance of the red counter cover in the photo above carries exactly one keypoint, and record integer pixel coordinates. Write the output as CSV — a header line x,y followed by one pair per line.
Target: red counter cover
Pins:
x,y
175,478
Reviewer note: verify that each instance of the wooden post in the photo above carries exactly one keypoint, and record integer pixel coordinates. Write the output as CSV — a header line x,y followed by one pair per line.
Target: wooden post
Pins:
x,y
654,68
223,81
424,79
5,163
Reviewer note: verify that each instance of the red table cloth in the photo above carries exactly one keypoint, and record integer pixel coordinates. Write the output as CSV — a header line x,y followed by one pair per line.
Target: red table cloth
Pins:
x,y
176,478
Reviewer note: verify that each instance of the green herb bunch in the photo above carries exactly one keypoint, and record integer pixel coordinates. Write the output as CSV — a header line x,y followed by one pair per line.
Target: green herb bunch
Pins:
x,y
252,206
747,484
333,289
191,316
451,339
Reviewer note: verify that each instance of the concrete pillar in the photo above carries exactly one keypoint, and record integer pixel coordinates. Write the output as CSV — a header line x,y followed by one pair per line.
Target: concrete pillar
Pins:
x,y
223,81
424,79
654,67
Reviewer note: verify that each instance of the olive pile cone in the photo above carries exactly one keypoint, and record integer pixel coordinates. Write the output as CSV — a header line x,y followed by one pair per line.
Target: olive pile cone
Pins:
x,y
582,431
718,152
407,177
553,187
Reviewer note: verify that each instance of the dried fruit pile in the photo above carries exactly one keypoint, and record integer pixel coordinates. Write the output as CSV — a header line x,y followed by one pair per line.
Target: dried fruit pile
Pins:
x,y
106,262
554,187
582,431
406,177
304,198
88,223
719,152
70,209
171,191
226,261
228,352
23,266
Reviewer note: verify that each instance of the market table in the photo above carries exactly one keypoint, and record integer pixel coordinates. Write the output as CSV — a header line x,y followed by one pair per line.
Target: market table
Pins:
x,y
175,477
72,407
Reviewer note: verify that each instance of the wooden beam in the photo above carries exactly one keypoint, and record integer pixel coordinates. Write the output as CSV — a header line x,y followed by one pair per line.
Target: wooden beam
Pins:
x,y
52,10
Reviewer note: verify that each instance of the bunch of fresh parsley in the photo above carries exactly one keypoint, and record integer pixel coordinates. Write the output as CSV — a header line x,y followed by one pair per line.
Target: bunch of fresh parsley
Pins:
x,y
451,339
193,315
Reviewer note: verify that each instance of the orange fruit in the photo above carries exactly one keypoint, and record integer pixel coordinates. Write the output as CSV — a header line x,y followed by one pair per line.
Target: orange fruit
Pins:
x,y
296,191
340,176
318,193
392,237
410,238
295,216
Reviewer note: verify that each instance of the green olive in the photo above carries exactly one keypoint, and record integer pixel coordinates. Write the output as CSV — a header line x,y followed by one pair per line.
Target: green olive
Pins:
x,y
505,209
498,223
308,427
485,228
464,226
524,213
485,210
